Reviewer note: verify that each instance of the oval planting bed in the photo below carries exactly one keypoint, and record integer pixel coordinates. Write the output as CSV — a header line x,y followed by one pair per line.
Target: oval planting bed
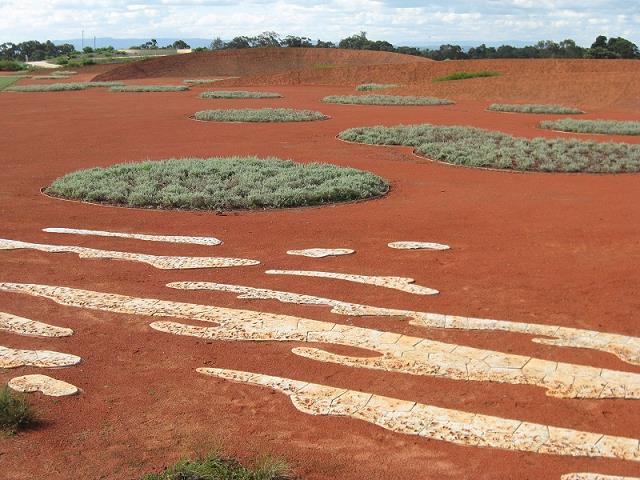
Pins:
x,y
265,115
218,184
385,100
475,147
604,127
239,94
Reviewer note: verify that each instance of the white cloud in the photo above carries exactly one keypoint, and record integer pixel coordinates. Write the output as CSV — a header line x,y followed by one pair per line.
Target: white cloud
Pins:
x,y
411,21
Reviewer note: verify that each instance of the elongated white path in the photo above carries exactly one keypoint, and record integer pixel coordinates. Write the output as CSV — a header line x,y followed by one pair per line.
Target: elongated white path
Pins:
x,y
25,326
321,252
625,347
138,236
44,384
158,261
594,476
418,246
396,352
403,284
454,426
12,358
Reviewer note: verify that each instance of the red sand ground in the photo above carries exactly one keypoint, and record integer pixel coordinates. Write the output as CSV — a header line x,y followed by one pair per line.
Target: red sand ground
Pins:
x,y
544,248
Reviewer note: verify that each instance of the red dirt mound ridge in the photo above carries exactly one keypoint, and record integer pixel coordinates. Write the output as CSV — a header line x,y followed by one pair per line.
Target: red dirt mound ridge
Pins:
x,y
253,62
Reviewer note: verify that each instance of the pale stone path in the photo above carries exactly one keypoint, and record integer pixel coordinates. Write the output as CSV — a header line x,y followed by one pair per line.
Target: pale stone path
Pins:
x,y
25,326
210,241
321,252
404,284
157,261
627,348
454,426
594,476
396,352
12,358
44,384
418,246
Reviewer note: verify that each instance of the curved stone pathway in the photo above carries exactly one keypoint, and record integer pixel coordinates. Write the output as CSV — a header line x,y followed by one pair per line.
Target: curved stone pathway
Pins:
x,y
25,326
210,241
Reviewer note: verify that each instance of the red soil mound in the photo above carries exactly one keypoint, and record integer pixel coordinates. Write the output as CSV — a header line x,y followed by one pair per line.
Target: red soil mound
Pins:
x,y
589,83
251,62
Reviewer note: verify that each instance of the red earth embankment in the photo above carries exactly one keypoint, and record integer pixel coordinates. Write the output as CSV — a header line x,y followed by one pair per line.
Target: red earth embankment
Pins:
x,y
253,62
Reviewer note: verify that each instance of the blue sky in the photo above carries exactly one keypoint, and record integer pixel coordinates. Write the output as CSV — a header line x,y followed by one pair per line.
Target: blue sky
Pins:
x,y
410,22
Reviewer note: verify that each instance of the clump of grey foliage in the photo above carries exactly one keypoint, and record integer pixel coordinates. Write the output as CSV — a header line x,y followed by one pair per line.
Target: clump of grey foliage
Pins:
x,y
608,127
385,100
533,108
239,94
259,115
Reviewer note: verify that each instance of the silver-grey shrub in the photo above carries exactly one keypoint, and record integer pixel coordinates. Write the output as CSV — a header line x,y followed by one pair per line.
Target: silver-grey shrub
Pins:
x,y
533,108
149,88
365,87
259,115
202,81
219,183
60,87
609,127
385,100
239,94
482,148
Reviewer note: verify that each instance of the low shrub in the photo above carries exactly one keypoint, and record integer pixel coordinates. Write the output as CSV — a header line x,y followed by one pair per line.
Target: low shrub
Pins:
x,y
239,94
385,100
149,88
49,77
202,81
465,75
365,87
218,184
259,115
608,127
12,66
60,87
15,411
6,81
216,467
533,108
482,148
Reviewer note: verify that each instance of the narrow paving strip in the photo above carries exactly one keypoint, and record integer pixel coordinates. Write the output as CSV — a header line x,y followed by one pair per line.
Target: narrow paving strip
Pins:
x,y
321,252
594,476
404,284
158,261
398,353
44,384
454,426
25,326
625,347
418,246
138,236
12,358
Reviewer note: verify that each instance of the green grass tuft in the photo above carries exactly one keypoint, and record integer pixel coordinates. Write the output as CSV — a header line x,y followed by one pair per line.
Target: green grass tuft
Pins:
x,y
239,94
217,467
607,127
366,87
533,108
259,115
15,411
60,87
218,183
149,88
50,77
385,100
475,147
8,81
466,76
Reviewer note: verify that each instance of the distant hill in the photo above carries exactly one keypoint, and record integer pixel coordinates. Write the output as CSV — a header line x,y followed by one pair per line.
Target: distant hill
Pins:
x,y
122,43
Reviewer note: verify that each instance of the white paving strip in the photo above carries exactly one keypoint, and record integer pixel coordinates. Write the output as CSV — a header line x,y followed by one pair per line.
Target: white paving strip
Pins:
x,y
396,352
24,326
594,476
627,348
11,358
454,426
403,284
321,252
44,384
139,236
157,261
418,246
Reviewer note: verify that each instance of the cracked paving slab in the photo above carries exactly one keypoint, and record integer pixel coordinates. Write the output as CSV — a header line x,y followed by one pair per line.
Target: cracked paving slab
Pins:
x,y
12,358
454,426
44,384
321,252
626,348
418,246
396,352
157,261
210,241
32,328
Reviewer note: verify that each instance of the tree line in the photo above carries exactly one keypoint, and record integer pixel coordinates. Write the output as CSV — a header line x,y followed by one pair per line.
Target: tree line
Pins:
x,y
602,47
